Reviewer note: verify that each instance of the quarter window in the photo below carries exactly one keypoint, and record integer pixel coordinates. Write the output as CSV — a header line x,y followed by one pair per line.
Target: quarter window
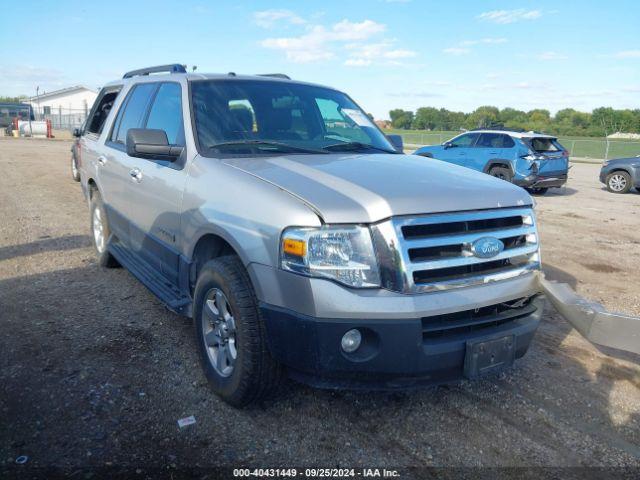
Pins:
x,y
101,110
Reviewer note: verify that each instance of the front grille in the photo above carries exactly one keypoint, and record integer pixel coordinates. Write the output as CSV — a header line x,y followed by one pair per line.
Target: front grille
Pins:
x,y
450,325
434,252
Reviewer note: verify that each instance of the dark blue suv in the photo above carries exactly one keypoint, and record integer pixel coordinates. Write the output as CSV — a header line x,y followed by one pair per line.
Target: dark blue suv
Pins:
x,y
532,160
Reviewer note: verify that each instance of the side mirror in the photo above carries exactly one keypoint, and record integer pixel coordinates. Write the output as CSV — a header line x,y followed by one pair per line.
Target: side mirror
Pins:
x,y
447,145
77,132
151,144
397,142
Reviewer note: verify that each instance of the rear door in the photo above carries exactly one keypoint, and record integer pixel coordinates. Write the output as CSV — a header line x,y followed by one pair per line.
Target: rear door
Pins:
x,y
492,146
92,157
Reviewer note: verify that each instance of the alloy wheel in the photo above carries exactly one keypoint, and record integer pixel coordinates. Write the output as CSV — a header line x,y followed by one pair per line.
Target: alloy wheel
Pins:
x,y
219,329
617,183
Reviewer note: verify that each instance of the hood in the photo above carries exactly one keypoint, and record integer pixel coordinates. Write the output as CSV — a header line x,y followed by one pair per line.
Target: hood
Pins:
x,y
365,188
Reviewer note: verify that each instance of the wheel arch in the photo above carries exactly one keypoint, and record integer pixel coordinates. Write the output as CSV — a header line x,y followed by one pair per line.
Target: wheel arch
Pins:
x,y
211,242
620,169
497,162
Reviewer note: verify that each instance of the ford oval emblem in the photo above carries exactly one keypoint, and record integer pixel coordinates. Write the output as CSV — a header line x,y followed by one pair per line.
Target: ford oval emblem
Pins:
x,y
487,247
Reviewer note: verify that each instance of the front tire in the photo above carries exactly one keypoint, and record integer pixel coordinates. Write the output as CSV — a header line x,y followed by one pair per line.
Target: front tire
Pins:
x,y
539,191
618,182
101,231
230,334
502,173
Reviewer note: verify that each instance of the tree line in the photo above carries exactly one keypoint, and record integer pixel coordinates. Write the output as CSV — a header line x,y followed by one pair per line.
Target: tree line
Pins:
x,y
600,122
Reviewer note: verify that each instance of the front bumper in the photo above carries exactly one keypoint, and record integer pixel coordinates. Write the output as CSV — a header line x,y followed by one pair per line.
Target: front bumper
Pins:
x,y
592,320
542,180
395,353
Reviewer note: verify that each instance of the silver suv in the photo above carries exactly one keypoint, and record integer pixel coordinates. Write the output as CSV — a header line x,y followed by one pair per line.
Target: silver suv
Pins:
x,y
283,221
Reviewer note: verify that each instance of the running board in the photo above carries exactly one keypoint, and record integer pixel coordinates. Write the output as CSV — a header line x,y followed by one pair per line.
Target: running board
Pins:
x,y
150,278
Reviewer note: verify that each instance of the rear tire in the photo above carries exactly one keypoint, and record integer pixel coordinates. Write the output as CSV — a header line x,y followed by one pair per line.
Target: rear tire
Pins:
x,y
231,336
101,231
618,182
501,173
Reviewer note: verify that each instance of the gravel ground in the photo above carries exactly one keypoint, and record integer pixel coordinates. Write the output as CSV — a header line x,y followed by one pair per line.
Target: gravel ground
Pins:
x,y
96,372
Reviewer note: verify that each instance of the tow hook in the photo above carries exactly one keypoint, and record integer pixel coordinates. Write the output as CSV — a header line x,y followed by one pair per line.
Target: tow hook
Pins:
x,y
591,319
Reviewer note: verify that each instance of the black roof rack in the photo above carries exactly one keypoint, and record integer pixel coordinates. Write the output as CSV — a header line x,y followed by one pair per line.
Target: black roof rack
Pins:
x,y
497,127
171,68
275,75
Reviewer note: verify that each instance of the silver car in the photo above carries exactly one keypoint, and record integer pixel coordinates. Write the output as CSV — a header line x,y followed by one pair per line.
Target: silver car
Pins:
x,y
302,243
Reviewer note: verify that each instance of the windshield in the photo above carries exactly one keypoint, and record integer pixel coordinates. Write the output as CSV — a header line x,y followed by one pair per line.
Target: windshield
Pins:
x,y
254,116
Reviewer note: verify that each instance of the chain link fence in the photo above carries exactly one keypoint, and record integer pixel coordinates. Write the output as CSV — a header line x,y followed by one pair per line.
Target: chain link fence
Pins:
x,y
61,118
597,148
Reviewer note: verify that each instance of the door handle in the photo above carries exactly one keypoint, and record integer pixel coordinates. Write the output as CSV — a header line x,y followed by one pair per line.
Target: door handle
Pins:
x,y
136,174
102,160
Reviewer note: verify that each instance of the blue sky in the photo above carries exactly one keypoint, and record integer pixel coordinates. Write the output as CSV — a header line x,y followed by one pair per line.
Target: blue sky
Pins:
x,y
384,53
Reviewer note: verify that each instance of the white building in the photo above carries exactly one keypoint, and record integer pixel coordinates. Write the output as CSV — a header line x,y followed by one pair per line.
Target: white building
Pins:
x,y
67,107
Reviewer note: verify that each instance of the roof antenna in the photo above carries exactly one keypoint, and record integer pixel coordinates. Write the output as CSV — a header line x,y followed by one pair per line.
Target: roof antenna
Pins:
x,y
232,74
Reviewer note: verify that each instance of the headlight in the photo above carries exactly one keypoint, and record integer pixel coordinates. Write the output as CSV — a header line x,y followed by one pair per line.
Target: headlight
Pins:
x,y
342,253
605,163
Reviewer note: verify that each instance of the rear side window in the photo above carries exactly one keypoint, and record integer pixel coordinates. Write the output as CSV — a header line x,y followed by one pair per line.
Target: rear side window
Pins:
x,y
166,113
466,140
101,110
131,114
495,140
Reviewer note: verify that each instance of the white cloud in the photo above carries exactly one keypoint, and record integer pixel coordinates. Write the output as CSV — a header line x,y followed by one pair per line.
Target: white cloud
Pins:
x,y
488,41
457,51
365,54
627,54
269,18
346,30
510,16
463,47
551,56
357,62
321,43
23,79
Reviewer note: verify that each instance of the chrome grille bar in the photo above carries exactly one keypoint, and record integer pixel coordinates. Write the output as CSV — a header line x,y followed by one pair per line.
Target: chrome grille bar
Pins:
x,y
401,261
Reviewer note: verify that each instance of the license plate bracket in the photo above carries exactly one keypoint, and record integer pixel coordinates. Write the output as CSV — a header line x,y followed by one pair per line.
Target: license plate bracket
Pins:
x,y
483,357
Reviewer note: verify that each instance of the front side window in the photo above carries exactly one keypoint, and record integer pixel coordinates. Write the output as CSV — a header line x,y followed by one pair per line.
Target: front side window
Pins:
x,y
466,140
131,113
166,113
258,116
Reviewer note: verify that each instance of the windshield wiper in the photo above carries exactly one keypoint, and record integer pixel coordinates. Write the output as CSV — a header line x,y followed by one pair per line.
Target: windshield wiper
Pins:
x,y
275,146
356,146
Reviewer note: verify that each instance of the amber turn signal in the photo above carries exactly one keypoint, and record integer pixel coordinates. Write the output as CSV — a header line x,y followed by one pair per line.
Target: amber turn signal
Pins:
x,y
294,247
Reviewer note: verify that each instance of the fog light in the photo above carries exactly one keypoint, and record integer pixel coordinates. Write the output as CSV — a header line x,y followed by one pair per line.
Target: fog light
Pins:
x,y
351,341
